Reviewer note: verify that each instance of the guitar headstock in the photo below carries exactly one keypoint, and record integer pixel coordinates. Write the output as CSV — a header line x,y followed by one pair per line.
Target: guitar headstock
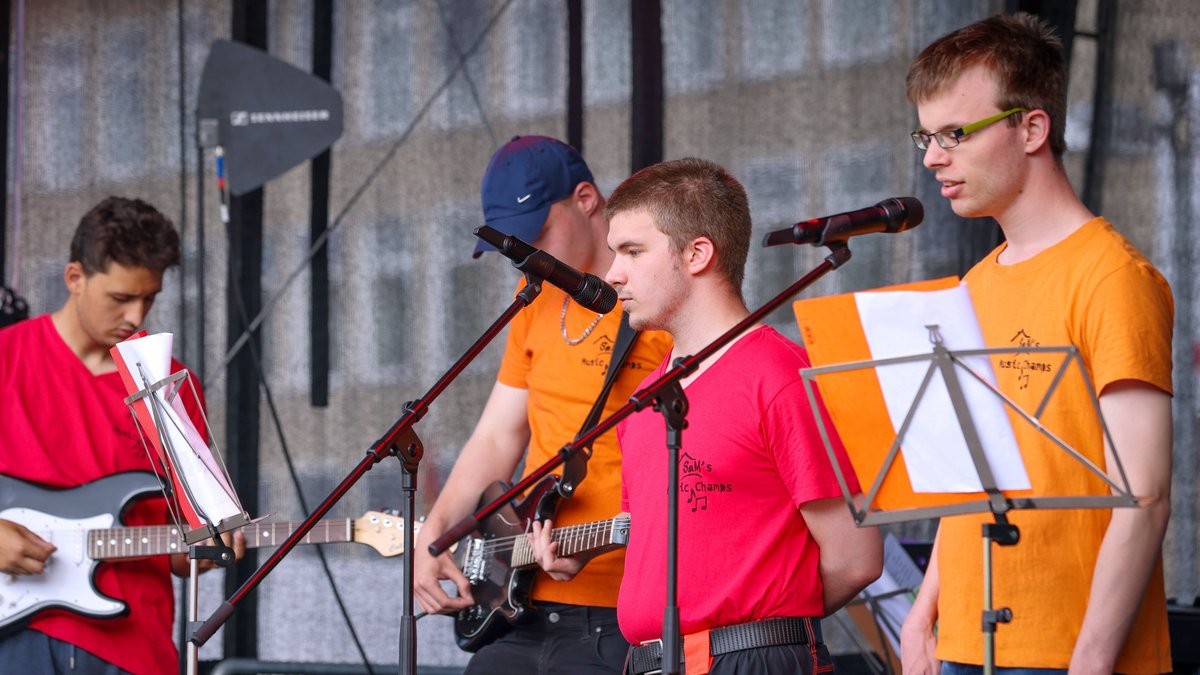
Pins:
x,y
383,532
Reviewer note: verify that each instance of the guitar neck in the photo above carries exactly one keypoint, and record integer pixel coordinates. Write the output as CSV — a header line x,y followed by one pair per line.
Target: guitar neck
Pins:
x,y
135,542
573,539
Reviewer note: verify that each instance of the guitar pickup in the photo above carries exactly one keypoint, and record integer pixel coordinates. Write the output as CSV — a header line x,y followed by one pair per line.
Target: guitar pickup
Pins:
x,y
473,564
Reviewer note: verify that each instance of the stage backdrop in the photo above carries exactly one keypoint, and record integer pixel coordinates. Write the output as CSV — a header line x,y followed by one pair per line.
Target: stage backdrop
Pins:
x,y
803,101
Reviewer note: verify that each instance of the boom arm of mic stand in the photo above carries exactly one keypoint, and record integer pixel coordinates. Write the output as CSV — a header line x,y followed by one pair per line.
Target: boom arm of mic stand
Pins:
x,y
839,254
395,441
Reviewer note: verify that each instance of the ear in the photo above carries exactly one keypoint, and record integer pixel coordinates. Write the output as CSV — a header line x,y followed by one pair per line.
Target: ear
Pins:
x,y
699,255
587,197
74,276
1037,130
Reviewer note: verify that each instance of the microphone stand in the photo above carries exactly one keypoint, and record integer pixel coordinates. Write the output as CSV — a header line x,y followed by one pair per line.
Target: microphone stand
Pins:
x,y
666,394
401,442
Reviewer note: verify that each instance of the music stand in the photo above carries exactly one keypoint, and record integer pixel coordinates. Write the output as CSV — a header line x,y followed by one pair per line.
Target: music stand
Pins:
x,y
952,367
195,483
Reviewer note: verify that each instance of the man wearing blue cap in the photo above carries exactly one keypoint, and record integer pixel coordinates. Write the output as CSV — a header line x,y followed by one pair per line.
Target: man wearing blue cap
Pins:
x,y
556,358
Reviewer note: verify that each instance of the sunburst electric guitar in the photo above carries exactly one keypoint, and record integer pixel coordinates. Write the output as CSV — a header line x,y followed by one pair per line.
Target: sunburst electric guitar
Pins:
x,y
83,522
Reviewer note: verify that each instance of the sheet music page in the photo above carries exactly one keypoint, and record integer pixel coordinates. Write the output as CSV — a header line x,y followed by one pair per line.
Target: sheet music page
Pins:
x,y
935,452
194,458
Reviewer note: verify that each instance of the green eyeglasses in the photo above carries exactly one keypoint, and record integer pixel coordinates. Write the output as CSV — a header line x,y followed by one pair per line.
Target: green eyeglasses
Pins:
x,y
949,139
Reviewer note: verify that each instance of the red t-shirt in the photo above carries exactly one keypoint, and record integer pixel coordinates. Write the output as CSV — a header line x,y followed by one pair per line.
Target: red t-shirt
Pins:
x,y
751,456
61,426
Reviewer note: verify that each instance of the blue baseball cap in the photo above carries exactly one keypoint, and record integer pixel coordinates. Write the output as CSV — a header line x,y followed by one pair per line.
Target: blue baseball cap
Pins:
x,y
522,180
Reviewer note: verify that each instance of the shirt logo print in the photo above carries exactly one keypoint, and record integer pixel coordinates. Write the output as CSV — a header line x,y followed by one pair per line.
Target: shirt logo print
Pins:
x,y
694,481
1025,364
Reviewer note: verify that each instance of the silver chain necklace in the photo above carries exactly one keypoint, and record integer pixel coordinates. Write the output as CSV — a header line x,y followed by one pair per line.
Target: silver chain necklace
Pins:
x,y
563,325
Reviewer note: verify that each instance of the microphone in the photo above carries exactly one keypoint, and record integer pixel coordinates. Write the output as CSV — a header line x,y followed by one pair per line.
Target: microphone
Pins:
x,y
586,289
890,215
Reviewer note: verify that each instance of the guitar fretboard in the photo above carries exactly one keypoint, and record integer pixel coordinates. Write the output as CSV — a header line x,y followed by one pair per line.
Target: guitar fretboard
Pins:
x,y
571,540
135,542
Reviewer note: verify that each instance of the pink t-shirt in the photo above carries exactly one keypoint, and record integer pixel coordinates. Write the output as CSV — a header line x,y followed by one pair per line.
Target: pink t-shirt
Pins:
x,y
61,426
751,456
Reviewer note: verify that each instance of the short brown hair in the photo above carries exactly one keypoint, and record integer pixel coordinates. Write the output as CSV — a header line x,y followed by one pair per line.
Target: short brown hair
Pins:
x,y
1020,50
129,232
690,198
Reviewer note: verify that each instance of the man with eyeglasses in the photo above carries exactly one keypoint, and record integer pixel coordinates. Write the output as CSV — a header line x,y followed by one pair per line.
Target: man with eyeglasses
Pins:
x,y
1085,586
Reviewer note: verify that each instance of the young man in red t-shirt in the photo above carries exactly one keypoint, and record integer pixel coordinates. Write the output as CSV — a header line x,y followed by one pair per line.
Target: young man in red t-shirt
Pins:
x,y
766,544
65,424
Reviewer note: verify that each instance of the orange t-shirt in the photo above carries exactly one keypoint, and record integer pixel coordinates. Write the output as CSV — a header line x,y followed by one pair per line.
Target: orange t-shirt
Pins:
x,y
1095,291
563,381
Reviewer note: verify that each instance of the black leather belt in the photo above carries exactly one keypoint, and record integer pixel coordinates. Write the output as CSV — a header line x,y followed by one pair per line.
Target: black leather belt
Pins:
x,y
647,658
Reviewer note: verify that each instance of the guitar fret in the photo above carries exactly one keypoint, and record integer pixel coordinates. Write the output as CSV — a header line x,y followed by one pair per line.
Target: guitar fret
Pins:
x,y
571,540
146,540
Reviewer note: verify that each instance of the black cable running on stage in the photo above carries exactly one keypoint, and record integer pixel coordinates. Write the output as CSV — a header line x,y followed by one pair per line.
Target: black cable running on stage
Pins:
x,y
358,193
291,468
318,244
256,363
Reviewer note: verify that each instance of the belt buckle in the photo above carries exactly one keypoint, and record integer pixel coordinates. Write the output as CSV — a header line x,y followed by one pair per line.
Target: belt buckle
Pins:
x,y
647,643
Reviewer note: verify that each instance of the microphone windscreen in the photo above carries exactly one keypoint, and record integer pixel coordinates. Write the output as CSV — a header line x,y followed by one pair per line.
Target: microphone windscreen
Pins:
x,y
912,213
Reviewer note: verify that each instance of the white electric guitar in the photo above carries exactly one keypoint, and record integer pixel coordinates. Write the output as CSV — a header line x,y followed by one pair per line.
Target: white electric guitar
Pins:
x,y
83,523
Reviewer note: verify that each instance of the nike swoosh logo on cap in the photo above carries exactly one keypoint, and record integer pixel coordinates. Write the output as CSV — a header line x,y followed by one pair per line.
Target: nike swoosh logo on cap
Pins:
x,y
522,200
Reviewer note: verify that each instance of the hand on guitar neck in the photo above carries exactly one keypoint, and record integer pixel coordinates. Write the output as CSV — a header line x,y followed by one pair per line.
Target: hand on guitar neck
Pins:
x,y
23,552
545,551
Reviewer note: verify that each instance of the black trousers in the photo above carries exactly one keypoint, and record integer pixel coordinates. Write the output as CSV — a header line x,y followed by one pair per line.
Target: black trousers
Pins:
x,y
561,639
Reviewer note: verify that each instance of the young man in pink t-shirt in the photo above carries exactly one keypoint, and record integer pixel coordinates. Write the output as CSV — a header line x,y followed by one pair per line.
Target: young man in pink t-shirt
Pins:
x,y
766,544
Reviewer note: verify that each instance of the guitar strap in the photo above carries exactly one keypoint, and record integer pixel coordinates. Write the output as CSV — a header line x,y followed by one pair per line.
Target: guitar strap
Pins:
x,y
575,469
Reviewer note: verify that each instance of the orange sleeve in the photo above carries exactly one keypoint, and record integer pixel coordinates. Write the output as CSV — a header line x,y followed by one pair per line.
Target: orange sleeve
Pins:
x,y
517,360
1127,324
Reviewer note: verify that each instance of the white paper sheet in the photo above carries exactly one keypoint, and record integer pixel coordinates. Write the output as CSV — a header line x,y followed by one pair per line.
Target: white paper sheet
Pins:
x,y
195,462
935,453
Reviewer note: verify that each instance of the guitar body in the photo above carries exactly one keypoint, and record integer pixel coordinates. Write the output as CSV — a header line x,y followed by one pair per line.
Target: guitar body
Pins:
x,y
64,520
501,593
83,523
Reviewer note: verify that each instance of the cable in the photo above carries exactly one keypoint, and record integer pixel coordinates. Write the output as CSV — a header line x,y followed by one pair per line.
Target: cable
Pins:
x,y
252,326
270,305
240,303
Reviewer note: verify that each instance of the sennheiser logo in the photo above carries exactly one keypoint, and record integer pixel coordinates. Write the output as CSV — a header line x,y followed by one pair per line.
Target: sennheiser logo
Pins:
x,y
242,118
